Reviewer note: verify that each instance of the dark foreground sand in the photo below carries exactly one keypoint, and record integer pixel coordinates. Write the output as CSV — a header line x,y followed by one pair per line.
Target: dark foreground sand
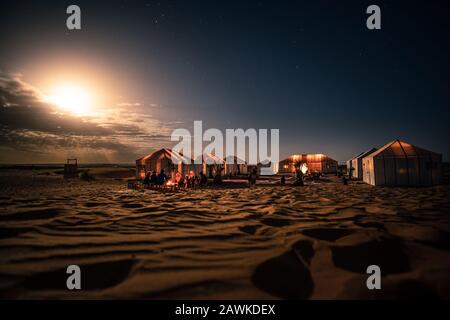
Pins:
x,y
265,242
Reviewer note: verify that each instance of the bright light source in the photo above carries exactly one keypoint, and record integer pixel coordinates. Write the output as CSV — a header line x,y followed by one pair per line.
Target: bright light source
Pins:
x,y
72,99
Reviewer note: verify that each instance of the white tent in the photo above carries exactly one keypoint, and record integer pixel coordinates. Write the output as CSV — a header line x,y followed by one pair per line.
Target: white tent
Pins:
x,y
402,164
235,166
355,165
211,164
349,164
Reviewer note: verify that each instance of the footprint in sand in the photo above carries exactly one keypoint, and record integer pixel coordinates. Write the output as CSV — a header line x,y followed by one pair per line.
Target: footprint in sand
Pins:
x,y
275,222
327,234
387,253
94,276
442,241
38,214
287,276
249,229
132,205
6,233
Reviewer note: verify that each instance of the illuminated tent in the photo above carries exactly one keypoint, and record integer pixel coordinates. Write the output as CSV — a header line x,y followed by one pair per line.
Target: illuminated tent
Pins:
x,y
401,164
315,163
355,165
168,160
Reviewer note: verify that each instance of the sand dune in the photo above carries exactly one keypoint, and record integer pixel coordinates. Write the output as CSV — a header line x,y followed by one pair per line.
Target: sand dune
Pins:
x,y
264,242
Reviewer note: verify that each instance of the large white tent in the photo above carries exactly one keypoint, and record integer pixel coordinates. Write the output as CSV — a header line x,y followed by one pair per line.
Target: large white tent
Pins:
x,y
399,163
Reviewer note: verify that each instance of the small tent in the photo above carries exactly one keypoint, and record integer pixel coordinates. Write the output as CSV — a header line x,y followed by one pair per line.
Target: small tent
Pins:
x,y
211,164
349,165
235,166
399,163
356,164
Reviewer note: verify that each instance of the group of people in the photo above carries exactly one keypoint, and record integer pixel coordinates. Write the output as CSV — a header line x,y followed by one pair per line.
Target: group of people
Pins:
x,y
161,180
192,181
154,179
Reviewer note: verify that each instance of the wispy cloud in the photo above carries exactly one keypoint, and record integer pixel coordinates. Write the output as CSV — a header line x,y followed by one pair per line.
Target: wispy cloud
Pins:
x,y
33,131
129,104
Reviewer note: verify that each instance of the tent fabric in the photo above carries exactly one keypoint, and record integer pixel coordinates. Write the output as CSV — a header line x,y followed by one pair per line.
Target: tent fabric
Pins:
x,y
212,159
349,164
167,153
399,163
235,166
315,162
357,164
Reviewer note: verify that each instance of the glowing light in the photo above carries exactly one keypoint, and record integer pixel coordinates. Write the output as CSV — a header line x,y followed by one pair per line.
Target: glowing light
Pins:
x,y
72,99
304,168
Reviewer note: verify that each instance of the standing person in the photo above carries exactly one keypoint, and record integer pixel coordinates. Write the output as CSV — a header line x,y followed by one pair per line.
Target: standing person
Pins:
x,y
196,181
203,179
218,176
181,182
153,179
283,180
298,178
177,178
252,177
146,181
162,178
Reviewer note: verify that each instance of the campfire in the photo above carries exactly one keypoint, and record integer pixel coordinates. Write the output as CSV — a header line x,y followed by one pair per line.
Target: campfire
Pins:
x,y
304,168
170,183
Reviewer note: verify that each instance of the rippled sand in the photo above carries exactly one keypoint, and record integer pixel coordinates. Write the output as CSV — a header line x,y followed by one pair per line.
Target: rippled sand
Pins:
x,y
263,242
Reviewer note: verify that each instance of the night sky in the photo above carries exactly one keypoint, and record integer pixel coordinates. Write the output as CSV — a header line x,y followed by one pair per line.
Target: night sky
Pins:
x,y
310,68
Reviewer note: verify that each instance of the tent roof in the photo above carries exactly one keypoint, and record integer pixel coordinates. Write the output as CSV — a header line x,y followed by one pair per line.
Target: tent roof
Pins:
x,y
234,159
364,154
357,156
398,148
211,159
169,153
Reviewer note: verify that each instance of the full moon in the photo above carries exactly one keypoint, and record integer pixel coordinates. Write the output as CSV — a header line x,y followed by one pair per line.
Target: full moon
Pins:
x,y
72,99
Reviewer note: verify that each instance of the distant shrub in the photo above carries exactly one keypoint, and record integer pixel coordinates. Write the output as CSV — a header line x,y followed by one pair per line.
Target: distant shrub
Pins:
x,y
86,176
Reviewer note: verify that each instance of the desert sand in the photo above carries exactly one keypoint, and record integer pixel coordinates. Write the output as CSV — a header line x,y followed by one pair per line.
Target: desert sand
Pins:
x,y
265,242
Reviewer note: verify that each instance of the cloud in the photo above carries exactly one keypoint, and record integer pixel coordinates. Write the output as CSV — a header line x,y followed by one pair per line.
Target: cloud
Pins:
x,y
129,104
33,129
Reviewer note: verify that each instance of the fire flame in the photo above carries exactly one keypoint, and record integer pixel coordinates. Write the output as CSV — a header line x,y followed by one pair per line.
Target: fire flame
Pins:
x,y
304,168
